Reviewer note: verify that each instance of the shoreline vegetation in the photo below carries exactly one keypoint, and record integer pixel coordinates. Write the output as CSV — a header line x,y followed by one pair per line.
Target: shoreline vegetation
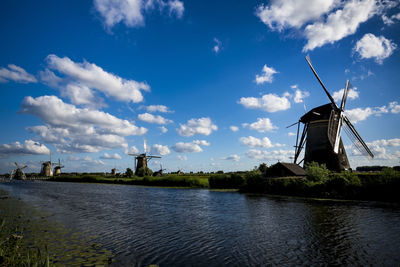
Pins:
x,y
381,184
30,238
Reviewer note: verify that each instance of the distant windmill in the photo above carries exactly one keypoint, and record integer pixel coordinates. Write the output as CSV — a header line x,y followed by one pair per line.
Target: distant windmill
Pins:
x,y
142,159
57,168
159,172
18,173
321,133
46,169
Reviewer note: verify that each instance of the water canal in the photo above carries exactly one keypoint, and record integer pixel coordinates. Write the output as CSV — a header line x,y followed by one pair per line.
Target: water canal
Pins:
x,y
187,227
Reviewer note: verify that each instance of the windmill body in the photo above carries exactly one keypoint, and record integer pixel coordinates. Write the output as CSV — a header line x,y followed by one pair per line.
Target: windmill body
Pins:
x,y
318,145
321,133
142,159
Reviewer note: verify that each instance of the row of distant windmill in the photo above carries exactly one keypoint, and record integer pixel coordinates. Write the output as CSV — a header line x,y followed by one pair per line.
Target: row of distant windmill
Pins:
x,y
321,137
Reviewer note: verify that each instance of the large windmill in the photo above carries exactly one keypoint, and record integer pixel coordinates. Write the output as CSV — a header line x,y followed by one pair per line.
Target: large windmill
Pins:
x,y
142,159
321,133
18,173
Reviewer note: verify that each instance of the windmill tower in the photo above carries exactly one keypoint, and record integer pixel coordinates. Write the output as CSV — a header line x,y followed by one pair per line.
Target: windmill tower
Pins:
x,y
46,169
142,159
321,133
57,169
18,173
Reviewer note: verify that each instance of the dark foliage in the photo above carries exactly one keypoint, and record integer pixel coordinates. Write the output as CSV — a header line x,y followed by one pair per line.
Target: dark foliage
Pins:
x,y
226,181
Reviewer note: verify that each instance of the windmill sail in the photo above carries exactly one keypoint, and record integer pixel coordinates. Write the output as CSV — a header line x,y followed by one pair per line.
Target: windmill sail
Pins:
x,y
356,138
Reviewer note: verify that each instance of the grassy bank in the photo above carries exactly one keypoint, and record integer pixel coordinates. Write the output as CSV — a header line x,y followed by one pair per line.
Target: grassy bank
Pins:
x,y
382,186
29,238
170,180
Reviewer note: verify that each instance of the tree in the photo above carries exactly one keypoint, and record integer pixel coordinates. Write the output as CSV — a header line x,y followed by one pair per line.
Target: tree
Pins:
x,y
144,171
316,172
263,168
129,173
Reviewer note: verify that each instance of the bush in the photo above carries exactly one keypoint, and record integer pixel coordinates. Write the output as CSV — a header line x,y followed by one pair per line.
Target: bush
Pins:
x,y
226,181
144,171
317,173
129,173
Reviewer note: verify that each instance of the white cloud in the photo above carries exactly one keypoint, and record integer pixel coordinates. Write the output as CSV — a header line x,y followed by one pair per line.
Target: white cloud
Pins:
x,y
394,107
300,95
163,129
291,134
390,20
88,76
267,76
262,125
359,114
193,146
234,128
282,14
268,102
352,94
339,24
383,149
181,157
150,118
73,129
29,147
131,150
218,45
256,142
108,156
233,157
275,155
16,74
197,126
160,150
158,108
370,46
130,12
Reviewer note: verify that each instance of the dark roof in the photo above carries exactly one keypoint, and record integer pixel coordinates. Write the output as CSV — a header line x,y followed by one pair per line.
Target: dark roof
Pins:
x,y
294,168
319,113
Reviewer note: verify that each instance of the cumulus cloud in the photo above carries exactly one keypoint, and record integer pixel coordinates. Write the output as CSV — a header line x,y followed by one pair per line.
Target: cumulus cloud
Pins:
x,y
16,74
74,129
268,102
233,157
131,150
217,46
266,76
383,149
359,114
158,108
275,155
82,79
160,150
256,142
150,118
130,12
163,129
339,24
291,134
390,20
194,146
197,126
394,107
371,46
234,128
292,13
29,147
300,95
108,156
262,125
352,94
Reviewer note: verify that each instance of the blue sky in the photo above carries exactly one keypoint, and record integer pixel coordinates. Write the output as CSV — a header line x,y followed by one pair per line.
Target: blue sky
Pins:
x,y
211,85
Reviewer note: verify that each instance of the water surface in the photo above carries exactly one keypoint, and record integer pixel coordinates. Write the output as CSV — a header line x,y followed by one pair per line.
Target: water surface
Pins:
x,y
182,227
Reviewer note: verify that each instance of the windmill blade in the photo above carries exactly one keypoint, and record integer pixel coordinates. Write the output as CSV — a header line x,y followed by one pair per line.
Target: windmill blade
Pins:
x,y
323,86
16,164
24,167
345,93
356,138
144,145
334,128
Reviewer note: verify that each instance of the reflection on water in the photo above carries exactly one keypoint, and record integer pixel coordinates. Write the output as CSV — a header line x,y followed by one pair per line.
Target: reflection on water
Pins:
x,y
180,227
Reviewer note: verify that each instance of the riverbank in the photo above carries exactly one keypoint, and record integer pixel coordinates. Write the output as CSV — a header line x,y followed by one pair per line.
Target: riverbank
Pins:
x,y
31,238
318,183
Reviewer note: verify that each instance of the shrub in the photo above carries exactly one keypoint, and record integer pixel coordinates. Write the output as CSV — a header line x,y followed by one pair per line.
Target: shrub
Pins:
x,y
226,181
316,172
129,173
